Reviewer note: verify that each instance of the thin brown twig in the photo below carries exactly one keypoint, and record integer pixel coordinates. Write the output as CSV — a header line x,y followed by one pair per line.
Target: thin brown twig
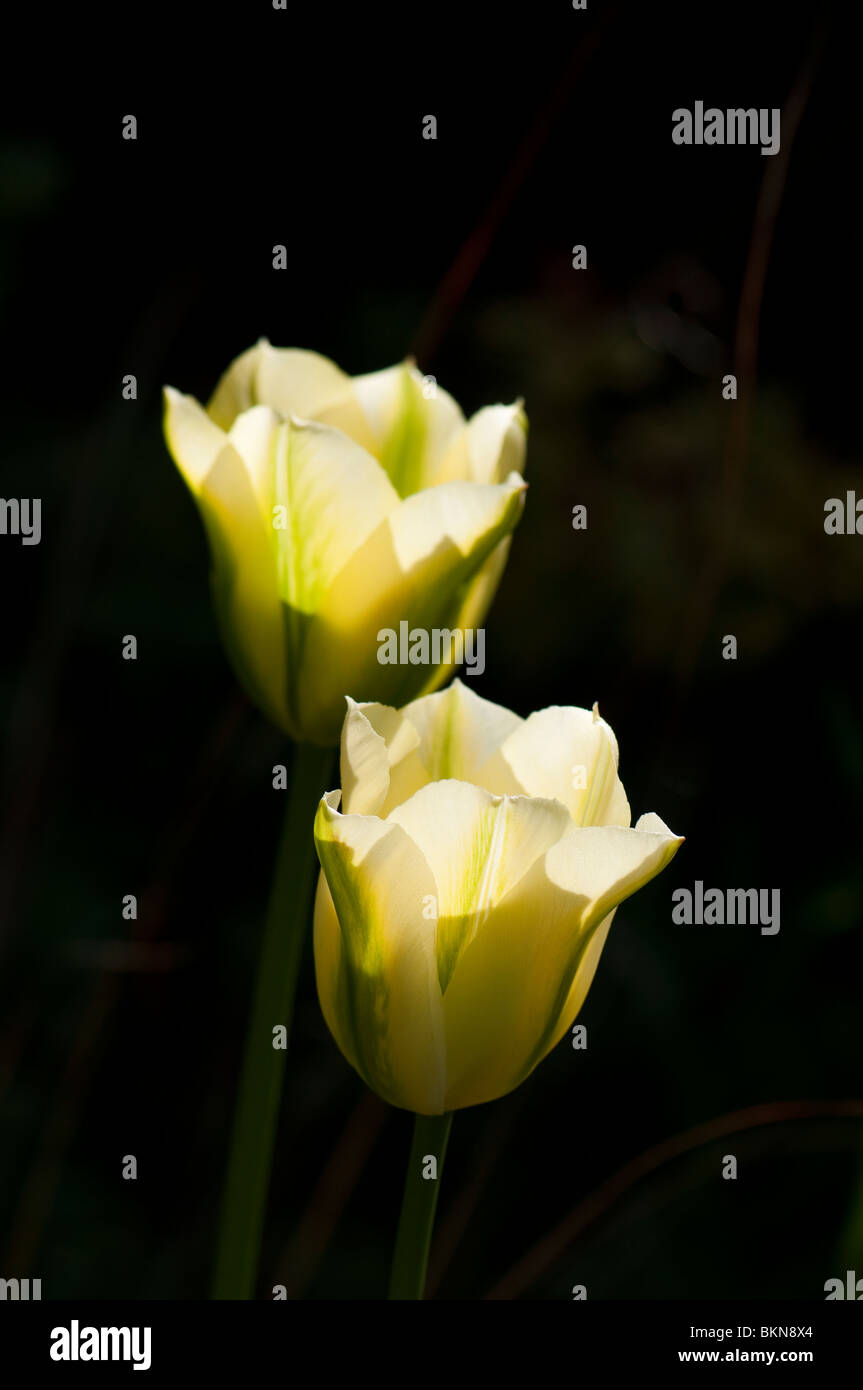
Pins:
x,y
560,1237
458,279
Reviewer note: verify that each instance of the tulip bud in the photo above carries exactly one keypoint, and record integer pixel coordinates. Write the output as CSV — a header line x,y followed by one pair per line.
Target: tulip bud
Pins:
x,y
467,890
336,508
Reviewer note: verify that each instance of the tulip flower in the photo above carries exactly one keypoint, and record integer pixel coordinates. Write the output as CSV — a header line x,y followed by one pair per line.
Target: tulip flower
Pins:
x,y
469,881
337,507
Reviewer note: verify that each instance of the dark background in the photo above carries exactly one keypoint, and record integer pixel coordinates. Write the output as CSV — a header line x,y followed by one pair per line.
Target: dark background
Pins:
x,y
705,518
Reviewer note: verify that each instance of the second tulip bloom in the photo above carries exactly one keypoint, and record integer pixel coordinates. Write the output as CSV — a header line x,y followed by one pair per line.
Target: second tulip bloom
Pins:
x,y
469,881
337,507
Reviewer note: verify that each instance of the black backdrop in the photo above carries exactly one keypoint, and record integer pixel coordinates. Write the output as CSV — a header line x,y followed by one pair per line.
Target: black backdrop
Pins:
x,y
258,127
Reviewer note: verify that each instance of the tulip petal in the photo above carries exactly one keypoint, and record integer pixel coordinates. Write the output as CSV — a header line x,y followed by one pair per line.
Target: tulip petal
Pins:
x,y
243,566
291,381
320,493
365,766
376,974
415,567
295,381
582,980
194,441
478,847
602,865
329,967
506,990
492,445
484,586
319,497
567,753
414,425
459,732
236,390
503,1009
311,387
380,765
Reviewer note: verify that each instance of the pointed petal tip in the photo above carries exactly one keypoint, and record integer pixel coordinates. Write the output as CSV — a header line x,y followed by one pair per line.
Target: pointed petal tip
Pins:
x,y
515,482
653,824
172,398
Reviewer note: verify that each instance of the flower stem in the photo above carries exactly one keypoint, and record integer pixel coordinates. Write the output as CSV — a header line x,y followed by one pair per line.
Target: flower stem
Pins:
x,y
410,1258
250,1157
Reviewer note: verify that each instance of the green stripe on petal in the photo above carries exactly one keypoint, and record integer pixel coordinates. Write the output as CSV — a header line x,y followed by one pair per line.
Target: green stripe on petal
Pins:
x,y
478,847
329,972
459,732
416,425
581,981
321,496
382,987
478,594
403,452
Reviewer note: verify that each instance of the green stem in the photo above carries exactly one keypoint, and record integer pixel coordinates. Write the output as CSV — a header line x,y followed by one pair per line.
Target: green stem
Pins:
x,y
250,1158
410,1258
